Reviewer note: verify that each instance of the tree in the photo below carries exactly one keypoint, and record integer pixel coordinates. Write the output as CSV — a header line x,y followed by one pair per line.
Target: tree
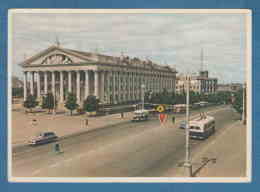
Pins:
x,y
71,102
238,101
30,102
194,97
91,104
180,98
48,102
17,92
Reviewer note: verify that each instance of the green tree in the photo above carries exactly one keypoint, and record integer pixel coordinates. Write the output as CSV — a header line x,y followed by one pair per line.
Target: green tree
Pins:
x,y
71,102
238,101
180,98
194,97
91,104
17,92
48,102
30,102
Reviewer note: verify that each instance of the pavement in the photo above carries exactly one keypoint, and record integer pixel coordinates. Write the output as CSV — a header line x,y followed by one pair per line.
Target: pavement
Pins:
x,y
62,123
224,155
230,156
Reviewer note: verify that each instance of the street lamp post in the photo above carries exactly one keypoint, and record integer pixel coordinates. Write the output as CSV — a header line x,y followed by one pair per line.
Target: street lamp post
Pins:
x,y
143,87
187,163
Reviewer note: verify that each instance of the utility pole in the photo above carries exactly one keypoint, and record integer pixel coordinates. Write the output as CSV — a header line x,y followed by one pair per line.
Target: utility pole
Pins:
x,y
143,87
187,163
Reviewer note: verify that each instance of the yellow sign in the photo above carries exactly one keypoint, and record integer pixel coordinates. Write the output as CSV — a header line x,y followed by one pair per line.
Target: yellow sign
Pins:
x,y
160,108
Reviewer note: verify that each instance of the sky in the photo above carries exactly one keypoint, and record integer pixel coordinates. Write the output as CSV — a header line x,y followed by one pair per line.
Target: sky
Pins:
x,y
172,39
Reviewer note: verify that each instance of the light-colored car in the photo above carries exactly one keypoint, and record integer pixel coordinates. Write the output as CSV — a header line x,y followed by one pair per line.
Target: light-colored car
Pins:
x,y
182,125
42,138
140,115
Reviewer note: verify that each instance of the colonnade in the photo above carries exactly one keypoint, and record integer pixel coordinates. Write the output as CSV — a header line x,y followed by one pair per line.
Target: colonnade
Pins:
x,y
112,87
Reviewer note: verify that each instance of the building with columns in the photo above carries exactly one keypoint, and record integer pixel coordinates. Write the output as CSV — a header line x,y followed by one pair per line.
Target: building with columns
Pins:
x,y
111,79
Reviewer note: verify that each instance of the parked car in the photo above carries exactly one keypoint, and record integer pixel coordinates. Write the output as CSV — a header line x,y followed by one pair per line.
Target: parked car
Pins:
x,y
42,138
182,125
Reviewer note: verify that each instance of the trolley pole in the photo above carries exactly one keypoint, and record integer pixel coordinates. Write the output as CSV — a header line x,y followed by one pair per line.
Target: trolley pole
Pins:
x,y
187,163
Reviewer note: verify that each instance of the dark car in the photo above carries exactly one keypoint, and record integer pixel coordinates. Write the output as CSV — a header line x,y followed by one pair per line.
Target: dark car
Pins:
x,y
182,125
43,138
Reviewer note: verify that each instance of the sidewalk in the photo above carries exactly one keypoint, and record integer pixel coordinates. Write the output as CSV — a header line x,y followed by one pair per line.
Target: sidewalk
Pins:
x,y
229,150
62,124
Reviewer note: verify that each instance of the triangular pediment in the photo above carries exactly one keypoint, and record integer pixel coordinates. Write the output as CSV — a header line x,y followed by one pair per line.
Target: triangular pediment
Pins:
x,y
55,55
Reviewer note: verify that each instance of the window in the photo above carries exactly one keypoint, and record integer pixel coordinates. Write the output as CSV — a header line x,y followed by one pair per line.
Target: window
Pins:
x,y
195,127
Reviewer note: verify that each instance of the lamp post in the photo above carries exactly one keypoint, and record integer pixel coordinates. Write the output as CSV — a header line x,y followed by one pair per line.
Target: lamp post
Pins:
x,y
187,163
143,87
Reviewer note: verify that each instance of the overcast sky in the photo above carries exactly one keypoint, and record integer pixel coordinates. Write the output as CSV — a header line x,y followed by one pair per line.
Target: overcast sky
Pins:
x,y
175,39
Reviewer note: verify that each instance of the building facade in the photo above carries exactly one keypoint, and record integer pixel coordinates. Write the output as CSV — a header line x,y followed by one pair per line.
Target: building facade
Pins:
x,y
111,79
201,83
233,87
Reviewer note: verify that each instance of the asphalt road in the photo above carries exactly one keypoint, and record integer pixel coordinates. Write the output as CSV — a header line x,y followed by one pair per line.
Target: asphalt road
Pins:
x,y
143,149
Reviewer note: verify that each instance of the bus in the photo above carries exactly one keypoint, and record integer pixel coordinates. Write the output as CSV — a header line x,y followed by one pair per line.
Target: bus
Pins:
x,y
202,127
140,115
180,108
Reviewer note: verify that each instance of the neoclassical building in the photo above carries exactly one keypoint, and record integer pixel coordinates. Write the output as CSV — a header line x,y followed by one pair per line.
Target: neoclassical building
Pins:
x,y
111,79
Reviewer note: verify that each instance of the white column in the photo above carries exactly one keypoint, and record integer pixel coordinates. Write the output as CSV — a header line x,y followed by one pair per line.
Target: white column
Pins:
x,y
114,87
129,83
61,87
31,82
69,81
24,85
53,83
78,87
45,82
102,86
38,85
96,85
108,90
133,86
119,86
86,84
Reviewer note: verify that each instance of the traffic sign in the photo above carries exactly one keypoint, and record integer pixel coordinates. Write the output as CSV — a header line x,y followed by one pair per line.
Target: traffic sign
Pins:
x,y
160,108
162,117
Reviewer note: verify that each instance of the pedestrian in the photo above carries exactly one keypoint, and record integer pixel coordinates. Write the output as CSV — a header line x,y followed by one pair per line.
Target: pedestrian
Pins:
x,y
57,147
86,122
173,119
122,115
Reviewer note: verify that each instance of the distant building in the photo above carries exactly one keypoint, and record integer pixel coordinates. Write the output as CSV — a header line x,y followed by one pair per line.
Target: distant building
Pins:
x,y
111,79
201,83
232,87
16,82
